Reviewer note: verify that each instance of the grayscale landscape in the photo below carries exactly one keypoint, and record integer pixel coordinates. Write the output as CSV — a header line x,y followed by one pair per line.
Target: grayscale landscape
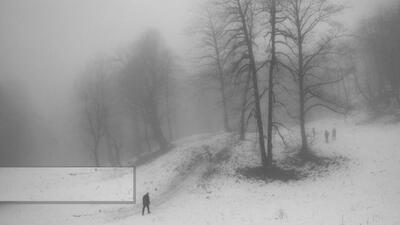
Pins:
x,y
281,112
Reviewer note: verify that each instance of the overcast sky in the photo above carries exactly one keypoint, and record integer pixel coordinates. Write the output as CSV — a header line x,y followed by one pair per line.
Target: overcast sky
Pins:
x,y
45,43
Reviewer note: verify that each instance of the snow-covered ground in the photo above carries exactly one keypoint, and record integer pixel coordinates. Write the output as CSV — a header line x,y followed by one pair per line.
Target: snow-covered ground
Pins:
x,y
196,183
66,184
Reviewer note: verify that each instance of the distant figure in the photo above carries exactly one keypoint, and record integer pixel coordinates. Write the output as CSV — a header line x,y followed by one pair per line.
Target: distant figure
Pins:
x,y
334,134
146,203
313,132
326,136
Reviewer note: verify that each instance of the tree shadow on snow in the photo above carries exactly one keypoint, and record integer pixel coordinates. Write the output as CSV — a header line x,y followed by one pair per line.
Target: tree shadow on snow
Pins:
x,y
311,162
298,166
269,174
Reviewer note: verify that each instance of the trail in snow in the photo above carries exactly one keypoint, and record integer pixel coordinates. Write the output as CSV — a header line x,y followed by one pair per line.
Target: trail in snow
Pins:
x,y
183,182
179,183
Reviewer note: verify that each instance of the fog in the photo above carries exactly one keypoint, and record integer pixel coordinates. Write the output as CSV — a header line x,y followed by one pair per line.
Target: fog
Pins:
x,y
45,46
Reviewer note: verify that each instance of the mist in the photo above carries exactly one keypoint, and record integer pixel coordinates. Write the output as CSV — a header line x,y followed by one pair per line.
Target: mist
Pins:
x,y
46,45
199,112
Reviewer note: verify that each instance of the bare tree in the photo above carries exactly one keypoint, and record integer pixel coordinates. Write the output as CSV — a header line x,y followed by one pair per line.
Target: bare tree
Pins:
x,y
170,69
215,52
240,15
99,91
241,80
302,57
144,78
93,93
272,10
114,147
244,107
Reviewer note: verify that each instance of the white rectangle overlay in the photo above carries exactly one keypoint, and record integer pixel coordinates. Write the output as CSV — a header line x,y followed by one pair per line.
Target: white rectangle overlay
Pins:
x,y
76,185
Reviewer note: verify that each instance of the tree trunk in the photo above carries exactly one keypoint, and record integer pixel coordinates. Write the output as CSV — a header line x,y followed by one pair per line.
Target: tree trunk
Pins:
x,y
117,153
244,109
113,149
168,110
346,92
304,142
396,96
147,138
159,136
110,151
221,79
271,84
96,153
255,86
138,136
224,108
155,125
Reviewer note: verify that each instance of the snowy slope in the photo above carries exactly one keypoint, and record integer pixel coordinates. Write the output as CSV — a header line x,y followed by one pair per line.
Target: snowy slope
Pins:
x,y
364,191
162,177
190,186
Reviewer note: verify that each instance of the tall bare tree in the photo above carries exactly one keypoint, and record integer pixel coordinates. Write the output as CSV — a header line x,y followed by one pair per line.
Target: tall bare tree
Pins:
x,y
304,52
215,52
93,93
145,76
272,10
240,16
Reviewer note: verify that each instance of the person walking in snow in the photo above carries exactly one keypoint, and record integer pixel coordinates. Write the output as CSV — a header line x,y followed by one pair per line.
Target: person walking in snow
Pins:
x,y
146,203
334,134
326,136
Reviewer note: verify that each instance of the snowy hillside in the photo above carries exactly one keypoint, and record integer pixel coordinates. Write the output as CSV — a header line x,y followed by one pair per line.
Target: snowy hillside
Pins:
x,y
40,184
198,183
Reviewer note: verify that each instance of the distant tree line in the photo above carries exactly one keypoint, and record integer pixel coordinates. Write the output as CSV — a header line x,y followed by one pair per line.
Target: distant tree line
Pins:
x,y
127,100
380,51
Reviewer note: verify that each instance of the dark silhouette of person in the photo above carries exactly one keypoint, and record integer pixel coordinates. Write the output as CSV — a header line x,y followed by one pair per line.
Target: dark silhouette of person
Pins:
x,y
146,203
326,136
313,132
334,134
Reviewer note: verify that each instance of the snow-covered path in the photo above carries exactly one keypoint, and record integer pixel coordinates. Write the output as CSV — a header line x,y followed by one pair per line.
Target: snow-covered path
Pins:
x,y
178,185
